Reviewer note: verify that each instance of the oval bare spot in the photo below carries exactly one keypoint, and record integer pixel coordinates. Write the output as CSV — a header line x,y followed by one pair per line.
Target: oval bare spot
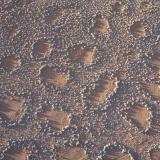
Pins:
x,y
53,13
155,60
115,153
104,87
145,5
10,63
101,25
85,137
59,120
11,107
140,116
17,154
84,55
119,7
13,31
155,154
42,49
49,75
73,154
153,89
137,29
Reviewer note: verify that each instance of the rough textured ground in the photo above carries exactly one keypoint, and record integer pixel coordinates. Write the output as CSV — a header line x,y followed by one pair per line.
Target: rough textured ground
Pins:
x,y
80,79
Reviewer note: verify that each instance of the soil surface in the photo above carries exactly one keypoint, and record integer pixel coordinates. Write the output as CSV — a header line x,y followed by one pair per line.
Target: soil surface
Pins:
x,y
80,79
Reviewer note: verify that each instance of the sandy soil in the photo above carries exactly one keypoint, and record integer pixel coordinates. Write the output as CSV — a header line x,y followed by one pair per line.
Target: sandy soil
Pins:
x,y
82,54
11,107
155,154
42,49
52,77
73,153
15,154
141,116
116,153
58,119
104,87
80,79
11,63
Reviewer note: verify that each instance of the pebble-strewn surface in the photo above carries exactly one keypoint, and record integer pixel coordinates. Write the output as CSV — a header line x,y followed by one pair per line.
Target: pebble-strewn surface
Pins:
x,y
80,79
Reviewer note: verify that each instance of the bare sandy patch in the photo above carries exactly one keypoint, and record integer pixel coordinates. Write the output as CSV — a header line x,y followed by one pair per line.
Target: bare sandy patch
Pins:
x,y
53,14
154,89
17,154
140,116
145,5
155,60
73,154
155,154
42,49
59,120
85,137
13,31
101,25
11,107
104,87
49,75
137,29
119,7
115,153
10,63
84,55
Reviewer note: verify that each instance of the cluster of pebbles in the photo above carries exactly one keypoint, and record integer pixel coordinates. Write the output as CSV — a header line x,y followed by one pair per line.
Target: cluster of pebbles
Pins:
x,y
79,80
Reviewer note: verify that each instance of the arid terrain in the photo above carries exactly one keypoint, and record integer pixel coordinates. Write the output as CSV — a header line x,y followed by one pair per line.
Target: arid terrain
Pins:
x,y
80,79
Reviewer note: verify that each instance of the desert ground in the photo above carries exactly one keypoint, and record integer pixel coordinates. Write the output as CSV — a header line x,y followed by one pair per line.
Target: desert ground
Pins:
x,y
80,79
